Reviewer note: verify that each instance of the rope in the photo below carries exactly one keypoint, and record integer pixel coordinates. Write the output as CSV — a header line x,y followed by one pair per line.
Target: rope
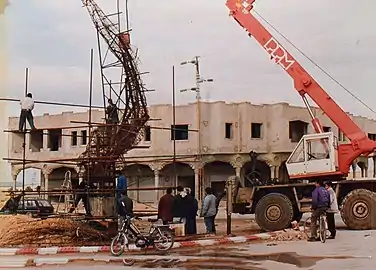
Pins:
x,y
314,63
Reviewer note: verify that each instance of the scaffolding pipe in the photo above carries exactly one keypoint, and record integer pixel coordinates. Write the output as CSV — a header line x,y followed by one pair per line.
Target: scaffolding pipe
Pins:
x,y
54,103
24,140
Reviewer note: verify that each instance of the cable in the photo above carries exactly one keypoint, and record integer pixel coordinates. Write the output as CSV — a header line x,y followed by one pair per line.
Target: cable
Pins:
x,y
314,63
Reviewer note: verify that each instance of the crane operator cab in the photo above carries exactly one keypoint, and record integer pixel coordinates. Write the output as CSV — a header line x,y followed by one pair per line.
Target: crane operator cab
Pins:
x,y
314,155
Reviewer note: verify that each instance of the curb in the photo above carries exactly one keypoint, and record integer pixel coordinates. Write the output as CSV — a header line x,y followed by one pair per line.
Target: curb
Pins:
x,y
106,249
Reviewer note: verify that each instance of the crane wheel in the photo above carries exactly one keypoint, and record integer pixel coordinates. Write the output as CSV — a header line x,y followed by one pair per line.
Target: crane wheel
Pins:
x,y
358,211
274,212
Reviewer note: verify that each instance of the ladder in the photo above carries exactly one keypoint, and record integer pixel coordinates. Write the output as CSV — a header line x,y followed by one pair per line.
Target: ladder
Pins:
x,y
66,193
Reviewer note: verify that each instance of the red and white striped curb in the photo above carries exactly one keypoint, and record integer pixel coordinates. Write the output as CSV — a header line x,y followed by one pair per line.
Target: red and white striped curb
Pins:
x,y
103,249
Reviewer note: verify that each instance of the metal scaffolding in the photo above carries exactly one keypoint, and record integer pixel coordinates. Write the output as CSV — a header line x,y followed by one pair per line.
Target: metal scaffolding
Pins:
x,y
107,142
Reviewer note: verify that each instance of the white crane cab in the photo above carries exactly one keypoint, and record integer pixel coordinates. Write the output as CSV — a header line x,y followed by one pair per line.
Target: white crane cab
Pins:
x,y
314,155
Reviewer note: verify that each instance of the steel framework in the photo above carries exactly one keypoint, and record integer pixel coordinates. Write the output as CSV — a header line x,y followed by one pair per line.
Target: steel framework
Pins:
x,y
107,142
113,141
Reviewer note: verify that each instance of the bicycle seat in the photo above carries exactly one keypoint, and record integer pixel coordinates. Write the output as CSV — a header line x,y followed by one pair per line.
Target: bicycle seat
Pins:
x,y
152,220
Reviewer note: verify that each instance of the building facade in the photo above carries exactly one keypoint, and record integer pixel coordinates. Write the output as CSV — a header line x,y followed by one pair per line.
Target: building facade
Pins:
x,y
228,132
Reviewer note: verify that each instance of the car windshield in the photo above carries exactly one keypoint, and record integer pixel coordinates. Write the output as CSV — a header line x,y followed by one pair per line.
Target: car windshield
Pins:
x,y
44,203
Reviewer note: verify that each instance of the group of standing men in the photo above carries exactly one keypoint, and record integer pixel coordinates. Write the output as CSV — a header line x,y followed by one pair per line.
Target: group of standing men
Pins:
x,y
183,208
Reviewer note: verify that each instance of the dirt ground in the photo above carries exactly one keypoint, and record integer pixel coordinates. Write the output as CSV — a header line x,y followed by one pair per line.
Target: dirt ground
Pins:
x,y
21,230
24,230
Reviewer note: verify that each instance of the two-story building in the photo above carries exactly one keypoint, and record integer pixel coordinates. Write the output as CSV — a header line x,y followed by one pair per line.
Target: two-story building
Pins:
x,y
228,132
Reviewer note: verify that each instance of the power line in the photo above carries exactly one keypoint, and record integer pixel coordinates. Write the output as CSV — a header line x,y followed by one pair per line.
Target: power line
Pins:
x,y
317,65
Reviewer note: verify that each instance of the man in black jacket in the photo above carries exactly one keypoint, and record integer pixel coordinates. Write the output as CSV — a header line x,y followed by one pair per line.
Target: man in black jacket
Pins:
x,y
192,209
125,205
83,195
124,208
179,207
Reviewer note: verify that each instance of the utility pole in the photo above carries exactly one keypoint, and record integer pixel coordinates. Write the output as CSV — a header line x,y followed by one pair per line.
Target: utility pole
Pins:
x,y
196,62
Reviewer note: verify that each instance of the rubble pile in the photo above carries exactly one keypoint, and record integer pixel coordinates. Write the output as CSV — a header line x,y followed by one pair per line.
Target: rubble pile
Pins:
x,y
289,235
25,231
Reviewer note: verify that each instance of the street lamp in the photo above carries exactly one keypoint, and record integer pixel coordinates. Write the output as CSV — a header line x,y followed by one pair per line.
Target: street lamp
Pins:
x,y
188,62
194,89
205,80
199,81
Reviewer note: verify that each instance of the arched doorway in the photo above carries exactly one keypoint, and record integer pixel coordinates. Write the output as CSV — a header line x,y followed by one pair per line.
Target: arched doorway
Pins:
x,y
138,176
185,176
257,173
32,178
216,174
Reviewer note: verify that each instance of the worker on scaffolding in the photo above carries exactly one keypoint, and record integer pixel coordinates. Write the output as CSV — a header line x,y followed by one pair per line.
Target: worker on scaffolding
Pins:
x,y
112,113
27,106
82,194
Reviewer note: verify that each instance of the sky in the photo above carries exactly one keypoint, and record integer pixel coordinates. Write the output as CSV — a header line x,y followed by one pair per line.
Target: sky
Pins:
x,y
53,39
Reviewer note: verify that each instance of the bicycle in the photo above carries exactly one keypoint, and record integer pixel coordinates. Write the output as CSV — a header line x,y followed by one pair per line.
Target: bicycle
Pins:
x,y
160,236
322,227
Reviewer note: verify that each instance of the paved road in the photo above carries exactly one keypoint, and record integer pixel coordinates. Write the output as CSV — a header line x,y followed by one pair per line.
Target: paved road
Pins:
x,y
358,246
99,267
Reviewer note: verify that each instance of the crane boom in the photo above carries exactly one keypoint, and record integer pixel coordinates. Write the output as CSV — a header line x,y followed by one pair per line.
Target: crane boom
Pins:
x,y
359,144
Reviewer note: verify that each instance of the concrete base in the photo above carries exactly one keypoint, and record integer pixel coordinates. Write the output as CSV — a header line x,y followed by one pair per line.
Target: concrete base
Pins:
x,y
103,206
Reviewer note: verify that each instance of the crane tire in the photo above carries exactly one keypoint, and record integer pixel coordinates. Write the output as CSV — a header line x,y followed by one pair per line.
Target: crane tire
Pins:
x,y
274,212
358,211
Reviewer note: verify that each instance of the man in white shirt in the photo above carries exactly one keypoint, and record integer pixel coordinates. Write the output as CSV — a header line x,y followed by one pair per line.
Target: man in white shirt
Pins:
x,y
332,210
27,106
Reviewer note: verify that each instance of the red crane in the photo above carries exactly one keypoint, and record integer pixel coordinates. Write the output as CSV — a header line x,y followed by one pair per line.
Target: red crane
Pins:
x,y
337,159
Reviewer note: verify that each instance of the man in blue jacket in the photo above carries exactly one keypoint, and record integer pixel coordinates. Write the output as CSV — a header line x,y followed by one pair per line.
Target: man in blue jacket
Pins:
x,y
121,186
121,183
320,203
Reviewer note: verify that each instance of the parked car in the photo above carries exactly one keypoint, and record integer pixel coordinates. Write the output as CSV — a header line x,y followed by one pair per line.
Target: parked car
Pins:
x,y
35,207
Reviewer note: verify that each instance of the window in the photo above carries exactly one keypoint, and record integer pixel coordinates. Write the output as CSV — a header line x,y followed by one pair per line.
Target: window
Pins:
x,y
44,203
372,136
316,149
147,135
36,141
256,130
326,129
298,155
179,132
83,137
297,129
28,204
228,131
74,138
54,139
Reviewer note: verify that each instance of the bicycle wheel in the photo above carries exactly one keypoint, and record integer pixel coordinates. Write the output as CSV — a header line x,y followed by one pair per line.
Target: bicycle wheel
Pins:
x,y
118,244
307,227
163,240
128,262
322,229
